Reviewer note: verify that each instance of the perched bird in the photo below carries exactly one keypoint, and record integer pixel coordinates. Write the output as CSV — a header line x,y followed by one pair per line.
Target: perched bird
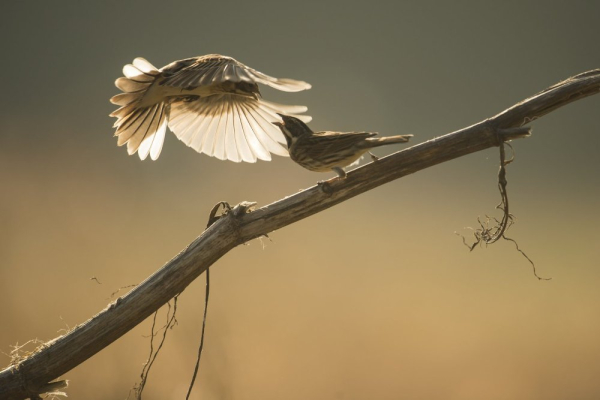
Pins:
x,y
324,151
211,103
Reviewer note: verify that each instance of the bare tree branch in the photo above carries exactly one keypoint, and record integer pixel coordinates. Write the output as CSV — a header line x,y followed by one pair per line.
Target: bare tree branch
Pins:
x,y
33,375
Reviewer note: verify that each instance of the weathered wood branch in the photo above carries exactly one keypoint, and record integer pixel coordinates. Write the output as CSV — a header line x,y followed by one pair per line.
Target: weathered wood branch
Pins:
x,y
33,374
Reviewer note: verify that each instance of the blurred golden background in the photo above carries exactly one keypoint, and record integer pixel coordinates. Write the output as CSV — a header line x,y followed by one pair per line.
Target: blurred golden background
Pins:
x,y
373,299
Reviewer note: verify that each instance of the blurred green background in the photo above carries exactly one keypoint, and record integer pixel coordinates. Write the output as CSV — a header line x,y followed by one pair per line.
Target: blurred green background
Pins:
x,y
373,299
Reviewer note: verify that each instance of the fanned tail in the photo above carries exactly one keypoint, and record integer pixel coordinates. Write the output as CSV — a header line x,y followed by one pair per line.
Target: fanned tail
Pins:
x,y
141,127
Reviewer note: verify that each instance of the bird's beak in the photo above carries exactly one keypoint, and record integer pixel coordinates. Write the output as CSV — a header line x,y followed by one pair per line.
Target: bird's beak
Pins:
x,y
277,123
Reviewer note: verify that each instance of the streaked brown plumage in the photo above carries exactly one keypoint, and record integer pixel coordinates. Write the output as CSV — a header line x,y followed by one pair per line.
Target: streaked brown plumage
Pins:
x,y
325,151
212,103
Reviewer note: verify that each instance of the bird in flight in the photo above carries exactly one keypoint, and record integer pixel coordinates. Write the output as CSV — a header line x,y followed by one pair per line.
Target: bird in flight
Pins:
x,y
325,151
212,103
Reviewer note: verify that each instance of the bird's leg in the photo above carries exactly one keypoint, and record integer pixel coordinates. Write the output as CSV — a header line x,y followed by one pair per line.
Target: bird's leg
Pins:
x,y
341,173
325,186
373,157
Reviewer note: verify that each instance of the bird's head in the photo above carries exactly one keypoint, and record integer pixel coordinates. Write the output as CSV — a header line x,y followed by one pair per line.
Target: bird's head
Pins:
x,y
292,127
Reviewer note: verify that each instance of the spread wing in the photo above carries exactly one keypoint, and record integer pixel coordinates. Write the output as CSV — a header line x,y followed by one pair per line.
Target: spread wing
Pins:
x,y
226,126
206,70
232,127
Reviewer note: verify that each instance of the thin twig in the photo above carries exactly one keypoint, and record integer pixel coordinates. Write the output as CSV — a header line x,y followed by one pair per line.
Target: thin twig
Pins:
x,y
154,354
213,217
201,347
528,259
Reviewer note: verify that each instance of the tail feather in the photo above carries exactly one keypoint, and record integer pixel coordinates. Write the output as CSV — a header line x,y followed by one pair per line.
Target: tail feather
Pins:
x,y
144,66
123,99
142,128
131,124
137,75
130,86
383,141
